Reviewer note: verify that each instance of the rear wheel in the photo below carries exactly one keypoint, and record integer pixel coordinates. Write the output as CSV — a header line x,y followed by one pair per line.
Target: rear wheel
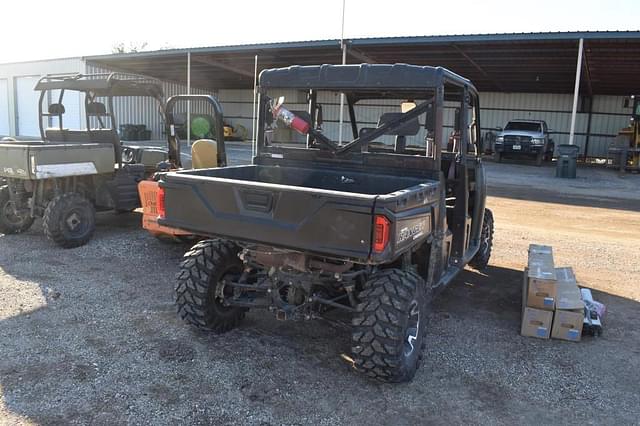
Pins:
x,y
201,288
389,327
69,220
481,259
11,221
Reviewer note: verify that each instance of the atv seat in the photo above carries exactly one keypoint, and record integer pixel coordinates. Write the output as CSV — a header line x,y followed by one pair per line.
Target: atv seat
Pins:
x,y
204,154
410,128
109,136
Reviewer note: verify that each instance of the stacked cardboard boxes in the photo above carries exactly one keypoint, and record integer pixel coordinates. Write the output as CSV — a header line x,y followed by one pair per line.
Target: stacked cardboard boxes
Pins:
x,y
551,302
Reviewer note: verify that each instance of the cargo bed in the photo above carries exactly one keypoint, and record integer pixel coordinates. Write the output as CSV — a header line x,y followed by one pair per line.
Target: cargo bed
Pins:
x,y
323,211
40,160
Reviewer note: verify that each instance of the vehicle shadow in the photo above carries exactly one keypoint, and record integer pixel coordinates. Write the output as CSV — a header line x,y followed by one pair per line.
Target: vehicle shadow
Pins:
x,y
90,336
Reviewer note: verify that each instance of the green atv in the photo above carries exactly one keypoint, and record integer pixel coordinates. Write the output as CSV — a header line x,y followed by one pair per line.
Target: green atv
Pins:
x,y
69,174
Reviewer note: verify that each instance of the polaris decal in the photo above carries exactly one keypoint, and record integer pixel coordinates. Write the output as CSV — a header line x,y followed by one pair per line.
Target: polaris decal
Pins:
x,y
412,230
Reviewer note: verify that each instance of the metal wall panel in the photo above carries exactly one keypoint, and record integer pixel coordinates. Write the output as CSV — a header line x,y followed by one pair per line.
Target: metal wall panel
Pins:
x,y
609,114
144,110
4,107
14,71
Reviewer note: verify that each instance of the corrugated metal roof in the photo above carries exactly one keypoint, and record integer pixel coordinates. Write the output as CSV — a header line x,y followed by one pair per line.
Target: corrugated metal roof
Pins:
x,y
516,62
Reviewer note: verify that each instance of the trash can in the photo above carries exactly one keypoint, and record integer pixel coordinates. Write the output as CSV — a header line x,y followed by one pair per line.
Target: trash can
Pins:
x,y
567,159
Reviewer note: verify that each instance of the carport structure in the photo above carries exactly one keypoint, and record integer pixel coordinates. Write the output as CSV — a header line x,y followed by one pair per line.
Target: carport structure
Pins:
x,y
526,63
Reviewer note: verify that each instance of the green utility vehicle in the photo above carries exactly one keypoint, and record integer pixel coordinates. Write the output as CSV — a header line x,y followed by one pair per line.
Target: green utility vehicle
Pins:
x,y
69,174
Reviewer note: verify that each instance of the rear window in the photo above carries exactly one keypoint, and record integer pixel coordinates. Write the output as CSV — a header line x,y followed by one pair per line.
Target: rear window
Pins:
x,y
523,126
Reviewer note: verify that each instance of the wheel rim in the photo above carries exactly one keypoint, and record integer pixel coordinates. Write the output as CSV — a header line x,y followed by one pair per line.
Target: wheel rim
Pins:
x,y
10,216
222,290
486,231
76,222
413,329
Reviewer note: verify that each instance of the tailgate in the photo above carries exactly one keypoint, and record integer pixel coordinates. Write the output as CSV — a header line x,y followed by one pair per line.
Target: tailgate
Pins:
x,y
334,223
14,160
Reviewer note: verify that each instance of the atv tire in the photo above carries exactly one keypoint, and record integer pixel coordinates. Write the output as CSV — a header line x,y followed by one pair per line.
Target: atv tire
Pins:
x,y
69,220
197,292
10,222
481,258
389,326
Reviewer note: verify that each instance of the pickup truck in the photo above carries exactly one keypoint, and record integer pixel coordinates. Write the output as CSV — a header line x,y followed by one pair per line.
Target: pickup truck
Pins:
x,y
525,138
373,225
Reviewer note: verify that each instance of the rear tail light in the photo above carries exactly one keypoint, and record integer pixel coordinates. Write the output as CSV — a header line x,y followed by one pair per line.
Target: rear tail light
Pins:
x,y
381,233
160,203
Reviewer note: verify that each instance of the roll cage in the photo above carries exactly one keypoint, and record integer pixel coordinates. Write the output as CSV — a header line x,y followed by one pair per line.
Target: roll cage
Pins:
x,y
108,85
374,81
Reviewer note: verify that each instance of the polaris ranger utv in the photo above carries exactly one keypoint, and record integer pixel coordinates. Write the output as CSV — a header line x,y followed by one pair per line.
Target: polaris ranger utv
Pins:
x,y
70,173
374,225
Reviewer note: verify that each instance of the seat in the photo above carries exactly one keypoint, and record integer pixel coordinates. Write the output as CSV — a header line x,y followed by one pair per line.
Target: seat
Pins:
x,y
96,108
204,154
410,128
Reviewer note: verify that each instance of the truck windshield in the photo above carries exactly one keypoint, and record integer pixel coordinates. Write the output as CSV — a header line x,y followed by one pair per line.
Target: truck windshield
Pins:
x,y
523,126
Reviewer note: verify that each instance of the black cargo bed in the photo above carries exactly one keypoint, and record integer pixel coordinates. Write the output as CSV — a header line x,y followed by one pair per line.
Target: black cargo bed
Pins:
x,y
321,211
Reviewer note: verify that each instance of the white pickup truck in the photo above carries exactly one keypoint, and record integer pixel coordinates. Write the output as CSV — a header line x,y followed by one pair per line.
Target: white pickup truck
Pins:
x,y
524,138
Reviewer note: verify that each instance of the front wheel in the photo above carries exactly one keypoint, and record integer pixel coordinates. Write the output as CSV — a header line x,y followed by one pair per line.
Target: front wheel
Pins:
x,y
69,220
201,289
12,221
389,326
481,259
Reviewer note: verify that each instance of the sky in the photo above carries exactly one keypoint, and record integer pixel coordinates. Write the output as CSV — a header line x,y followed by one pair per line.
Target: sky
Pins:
x,y
35,30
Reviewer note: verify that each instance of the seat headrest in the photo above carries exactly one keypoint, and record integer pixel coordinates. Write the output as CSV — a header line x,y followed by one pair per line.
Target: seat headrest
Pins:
x,y
96,108
410,128
56,109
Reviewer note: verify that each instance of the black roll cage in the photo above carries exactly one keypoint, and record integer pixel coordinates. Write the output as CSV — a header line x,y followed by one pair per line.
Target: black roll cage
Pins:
x,y
107,85
174,141
469,97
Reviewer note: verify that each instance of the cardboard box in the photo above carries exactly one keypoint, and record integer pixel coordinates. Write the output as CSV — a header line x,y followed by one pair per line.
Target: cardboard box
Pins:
x,y
541,276
535,322
568,296
567,325
569,313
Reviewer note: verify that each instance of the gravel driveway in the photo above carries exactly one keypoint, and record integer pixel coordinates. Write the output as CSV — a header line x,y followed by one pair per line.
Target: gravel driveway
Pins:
x,y
90,335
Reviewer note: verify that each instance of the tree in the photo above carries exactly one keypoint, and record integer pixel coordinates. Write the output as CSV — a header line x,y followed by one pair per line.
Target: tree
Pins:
x,y
133,47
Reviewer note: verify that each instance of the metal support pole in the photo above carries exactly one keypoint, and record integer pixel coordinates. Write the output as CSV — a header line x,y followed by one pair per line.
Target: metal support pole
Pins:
x,y
188,102
254,123
576,90
343,45
586,142
344,61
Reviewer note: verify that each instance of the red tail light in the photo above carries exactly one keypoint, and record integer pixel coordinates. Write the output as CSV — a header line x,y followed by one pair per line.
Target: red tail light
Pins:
x,y
381,233
160,203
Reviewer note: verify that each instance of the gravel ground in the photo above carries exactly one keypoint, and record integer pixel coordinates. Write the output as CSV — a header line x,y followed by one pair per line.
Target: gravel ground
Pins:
x,y
90,335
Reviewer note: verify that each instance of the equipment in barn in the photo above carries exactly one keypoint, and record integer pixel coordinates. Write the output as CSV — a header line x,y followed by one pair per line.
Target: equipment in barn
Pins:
x,y
624,152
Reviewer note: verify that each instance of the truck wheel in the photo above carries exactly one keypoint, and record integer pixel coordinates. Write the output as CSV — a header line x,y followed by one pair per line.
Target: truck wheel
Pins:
x,y
389,326
481,259
69,220
200,286
10,222
498,157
